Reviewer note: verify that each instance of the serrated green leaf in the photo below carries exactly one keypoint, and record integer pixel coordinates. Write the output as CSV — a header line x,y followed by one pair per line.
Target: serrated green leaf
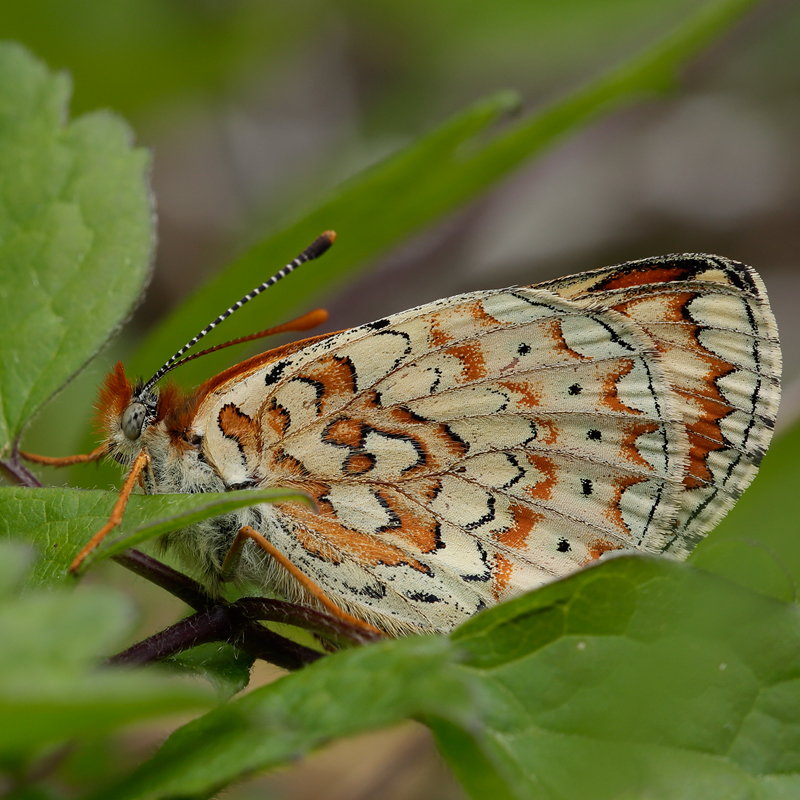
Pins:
x,y
51,687
75,234
688,688
57,523
413,188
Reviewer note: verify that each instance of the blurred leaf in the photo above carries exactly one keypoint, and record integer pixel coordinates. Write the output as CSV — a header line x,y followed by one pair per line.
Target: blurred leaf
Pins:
x,y
757,544
137,55
14,564
417,186
223,665
51,688
75,234
132,54
57,523
637,677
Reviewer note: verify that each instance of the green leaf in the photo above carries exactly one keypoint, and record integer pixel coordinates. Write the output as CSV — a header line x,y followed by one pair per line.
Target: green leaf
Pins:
x,y
51,688
415,187
137,54
75,234
59,522
639,677
223,665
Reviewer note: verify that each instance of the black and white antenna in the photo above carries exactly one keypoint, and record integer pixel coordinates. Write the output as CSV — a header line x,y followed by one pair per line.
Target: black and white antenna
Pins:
x,y
314,250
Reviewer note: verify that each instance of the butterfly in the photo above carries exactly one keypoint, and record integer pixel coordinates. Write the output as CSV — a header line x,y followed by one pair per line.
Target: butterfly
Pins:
x,y
471,449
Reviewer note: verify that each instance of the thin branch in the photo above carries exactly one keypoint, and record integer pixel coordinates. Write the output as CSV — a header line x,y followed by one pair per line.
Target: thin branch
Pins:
x,y
236,623
269,646
222,623
176,583
263,608
209,625
16,471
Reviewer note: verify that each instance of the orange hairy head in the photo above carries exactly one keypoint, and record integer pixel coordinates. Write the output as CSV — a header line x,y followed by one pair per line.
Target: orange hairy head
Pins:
x,y
115,395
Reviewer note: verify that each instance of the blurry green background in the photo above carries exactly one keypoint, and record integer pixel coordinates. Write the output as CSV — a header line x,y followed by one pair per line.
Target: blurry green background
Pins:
x,y
254,110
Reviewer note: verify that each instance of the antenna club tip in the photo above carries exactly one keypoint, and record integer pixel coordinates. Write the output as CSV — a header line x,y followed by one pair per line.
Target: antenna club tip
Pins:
x,y
319,245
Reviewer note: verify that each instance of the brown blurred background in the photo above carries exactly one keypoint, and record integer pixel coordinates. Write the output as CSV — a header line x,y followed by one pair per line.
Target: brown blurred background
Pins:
x,y
255,110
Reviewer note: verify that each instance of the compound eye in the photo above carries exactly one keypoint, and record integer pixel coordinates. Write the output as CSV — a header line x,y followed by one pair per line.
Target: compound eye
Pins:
x,y
133,420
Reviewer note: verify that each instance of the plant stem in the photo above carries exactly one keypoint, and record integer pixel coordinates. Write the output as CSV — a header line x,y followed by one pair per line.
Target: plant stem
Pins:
x,y
236,623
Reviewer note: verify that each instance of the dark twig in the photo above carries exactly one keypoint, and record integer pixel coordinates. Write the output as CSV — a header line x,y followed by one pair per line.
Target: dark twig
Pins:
x,y
209,625
269,646
221,623
262,608
16,471
237,623
176,583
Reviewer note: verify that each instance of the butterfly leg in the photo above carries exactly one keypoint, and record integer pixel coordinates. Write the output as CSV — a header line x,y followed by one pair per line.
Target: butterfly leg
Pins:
x,y
65,461
232,558
142,461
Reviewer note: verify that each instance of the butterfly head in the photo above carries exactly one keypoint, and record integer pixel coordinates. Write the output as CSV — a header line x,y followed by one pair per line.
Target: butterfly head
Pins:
x,y
126,412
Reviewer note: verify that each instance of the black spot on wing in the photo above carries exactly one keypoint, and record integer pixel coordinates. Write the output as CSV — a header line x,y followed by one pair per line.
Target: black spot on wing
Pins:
x,y
376,592
423,597
456,440
273,374
412,415
292,465
757,455
614,335
250,483
534,432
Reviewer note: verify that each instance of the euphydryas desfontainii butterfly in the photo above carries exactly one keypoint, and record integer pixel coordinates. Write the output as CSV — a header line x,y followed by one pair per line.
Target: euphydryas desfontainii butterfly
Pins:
x,y
465,451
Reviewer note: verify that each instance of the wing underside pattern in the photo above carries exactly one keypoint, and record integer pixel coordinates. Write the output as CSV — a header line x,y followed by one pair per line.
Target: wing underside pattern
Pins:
x,y
468,450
